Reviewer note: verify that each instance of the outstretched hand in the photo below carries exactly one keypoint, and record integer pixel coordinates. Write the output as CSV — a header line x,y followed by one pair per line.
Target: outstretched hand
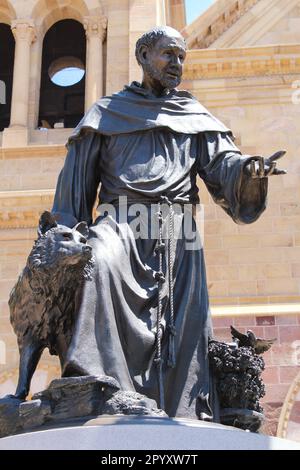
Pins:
x,y
260,167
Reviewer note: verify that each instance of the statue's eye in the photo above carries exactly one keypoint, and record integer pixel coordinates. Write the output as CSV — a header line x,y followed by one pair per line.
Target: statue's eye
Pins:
x,y
82,240
67,236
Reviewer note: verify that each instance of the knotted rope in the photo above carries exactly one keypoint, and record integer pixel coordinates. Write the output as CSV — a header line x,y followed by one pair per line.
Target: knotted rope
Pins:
x,y
159,276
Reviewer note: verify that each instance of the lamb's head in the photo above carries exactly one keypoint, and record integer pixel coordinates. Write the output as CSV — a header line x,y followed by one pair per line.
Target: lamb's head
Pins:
x,y
60,246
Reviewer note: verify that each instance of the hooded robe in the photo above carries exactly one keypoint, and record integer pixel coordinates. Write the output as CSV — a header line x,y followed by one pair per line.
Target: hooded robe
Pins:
x,y
144,317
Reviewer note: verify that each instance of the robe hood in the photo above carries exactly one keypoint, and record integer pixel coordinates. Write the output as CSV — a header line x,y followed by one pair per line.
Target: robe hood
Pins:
x,y
135,109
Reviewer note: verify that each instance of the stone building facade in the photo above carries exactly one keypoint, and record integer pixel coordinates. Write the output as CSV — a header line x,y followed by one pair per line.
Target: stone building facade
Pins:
x,y
243,64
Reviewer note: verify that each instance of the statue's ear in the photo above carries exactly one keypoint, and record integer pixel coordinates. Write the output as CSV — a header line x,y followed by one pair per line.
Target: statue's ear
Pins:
x,y
47,221
142,53
82,228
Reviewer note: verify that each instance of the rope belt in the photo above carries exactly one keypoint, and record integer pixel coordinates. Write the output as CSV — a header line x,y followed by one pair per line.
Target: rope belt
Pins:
x,y
159,276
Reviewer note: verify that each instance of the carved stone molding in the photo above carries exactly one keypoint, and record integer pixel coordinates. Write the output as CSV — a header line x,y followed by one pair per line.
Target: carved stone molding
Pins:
x,y
22,209
242,62
24,30
32,151
202,36
95,26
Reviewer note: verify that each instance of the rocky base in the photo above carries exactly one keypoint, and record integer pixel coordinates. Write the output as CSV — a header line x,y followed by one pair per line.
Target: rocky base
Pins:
x,y
72,397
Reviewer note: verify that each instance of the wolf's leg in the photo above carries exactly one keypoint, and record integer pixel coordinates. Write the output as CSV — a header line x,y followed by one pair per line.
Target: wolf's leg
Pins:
x,y
61,345
30,354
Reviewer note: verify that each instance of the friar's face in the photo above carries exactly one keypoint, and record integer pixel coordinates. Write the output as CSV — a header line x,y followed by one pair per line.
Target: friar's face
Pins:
x,y
163,63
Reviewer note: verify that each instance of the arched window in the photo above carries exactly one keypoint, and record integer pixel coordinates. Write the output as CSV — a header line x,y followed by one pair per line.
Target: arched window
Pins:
x,y
7,52
63,75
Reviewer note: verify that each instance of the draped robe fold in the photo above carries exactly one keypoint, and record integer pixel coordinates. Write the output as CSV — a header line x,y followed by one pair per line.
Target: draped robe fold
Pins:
x,y
145,149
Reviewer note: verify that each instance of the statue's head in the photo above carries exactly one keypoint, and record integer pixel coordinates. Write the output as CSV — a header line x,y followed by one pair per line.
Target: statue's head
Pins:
x,y
161,53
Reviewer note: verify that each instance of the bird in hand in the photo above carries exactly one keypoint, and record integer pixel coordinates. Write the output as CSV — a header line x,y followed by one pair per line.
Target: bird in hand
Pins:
x,y
249,339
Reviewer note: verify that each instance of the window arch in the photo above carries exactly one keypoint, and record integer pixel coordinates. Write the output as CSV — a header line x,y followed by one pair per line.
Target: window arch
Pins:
x,y
45,14
64,47
289,421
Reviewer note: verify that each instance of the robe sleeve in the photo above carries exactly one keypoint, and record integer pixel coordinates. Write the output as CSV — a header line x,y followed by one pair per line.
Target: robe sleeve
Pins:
x,y
221,166
78,181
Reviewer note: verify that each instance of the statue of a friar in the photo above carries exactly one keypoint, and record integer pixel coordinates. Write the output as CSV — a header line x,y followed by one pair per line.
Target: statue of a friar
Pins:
x,y
144,318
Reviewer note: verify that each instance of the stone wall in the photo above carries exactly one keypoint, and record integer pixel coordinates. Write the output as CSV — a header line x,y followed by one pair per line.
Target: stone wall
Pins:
x,y
254,97
255,268
253,271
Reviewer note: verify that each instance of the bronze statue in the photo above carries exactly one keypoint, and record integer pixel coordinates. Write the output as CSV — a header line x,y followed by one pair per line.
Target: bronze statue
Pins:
x,y
42,303
237,371
144,318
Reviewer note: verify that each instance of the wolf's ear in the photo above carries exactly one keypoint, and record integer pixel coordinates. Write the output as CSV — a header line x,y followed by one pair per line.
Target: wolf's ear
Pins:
x,y
82,228
47,221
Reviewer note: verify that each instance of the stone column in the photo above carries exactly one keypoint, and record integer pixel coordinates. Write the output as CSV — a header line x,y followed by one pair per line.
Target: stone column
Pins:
x,y
95,28
25,35
176,17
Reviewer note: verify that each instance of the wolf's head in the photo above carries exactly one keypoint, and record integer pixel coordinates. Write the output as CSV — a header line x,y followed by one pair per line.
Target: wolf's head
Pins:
x,y
59,245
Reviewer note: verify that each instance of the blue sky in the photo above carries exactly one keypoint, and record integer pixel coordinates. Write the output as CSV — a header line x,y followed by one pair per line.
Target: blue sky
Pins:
x,y
195,7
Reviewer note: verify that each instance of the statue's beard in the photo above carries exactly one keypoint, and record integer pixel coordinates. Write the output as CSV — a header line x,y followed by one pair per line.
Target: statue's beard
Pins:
x,y
162,77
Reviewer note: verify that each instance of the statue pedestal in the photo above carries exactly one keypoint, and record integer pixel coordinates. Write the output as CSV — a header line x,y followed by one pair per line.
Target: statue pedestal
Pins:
x,y
142,433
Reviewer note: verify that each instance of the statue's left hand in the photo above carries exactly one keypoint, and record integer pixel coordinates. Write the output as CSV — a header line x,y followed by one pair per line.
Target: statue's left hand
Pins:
x,y
260,167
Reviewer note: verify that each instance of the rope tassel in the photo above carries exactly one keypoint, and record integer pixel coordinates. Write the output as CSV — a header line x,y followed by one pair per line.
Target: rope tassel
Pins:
x,y
159,276
172,356
171,327
159,363
160,279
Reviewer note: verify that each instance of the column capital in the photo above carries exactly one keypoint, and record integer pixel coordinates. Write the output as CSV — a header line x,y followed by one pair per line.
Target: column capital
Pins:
x,y
24,30
95,26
